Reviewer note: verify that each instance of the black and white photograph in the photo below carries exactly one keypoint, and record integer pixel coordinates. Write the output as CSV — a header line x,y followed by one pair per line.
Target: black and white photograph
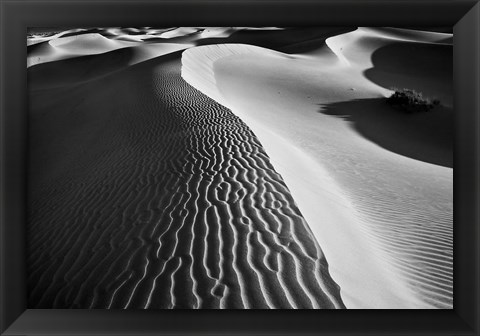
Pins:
x,y
240,167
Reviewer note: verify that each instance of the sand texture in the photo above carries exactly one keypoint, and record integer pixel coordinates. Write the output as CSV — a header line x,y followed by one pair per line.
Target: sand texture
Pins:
x,y
145,193
236,167
375,185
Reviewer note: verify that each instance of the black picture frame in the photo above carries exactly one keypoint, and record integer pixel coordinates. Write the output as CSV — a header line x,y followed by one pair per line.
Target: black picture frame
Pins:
x,y
17,15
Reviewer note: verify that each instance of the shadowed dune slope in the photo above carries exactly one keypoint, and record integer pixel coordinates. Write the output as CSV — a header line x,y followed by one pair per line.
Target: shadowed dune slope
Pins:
x,y
84,45
83,68
145,193
71,46
78,69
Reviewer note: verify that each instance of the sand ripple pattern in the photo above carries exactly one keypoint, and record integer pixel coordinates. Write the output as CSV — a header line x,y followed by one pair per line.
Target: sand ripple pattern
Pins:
x,y
410,234
145,193
413,234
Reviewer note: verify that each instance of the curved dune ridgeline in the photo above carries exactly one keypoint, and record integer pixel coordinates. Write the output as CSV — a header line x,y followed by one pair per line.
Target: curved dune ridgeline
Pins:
x,y
374,184
222,167
146,193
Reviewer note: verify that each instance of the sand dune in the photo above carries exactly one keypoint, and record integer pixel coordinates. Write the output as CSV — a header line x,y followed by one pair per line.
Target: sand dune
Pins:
x,y
145,193
83,68
393,58
71,43
73,47
380,209
222,167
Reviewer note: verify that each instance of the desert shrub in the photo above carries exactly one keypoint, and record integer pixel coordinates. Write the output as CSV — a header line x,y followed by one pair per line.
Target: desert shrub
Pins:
x,y
411,101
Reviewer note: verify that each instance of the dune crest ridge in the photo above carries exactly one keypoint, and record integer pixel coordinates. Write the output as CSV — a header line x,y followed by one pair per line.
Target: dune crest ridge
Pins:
x,y
148,194
370,208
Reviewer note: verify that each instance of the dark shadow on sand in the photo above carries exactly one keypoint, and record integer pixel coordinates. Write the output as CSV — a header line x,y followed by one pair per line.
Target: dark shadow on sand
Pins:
x,y
426,136
78,69
424,67
288,40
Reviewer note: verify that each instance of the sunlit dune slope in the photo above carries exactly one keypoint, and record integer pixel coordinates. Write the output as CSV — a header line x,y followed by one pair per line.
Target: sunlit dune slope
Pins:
x,y
374,184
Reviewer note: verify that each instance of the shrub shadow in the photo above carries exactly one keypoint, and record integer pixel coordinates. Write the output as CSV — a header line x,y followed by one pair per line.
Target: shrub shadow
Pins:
x,y
424,136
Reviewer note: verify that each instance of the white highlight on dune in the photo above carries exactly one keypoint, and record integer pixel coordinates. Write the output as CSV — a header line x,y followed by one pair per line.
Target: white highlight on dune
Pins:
x,y
317,195
356,196
217,32
179,32
201,74
383,220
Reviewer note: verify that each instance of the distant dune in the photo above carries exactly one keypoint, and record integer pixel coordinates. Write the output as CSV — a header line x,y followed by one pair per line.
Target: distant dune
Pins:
x,y
237,167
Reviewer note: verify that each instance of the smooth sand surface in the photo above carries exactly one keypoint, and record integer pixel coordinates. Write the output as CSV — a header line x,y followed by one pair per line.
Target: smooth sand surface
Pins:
x,y
374,184
146,193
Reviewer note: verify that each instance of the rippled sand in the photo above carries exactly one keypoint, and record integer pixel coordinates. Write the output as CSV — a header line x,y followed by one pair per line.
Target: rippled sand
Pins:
x,y
145,193
238,168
